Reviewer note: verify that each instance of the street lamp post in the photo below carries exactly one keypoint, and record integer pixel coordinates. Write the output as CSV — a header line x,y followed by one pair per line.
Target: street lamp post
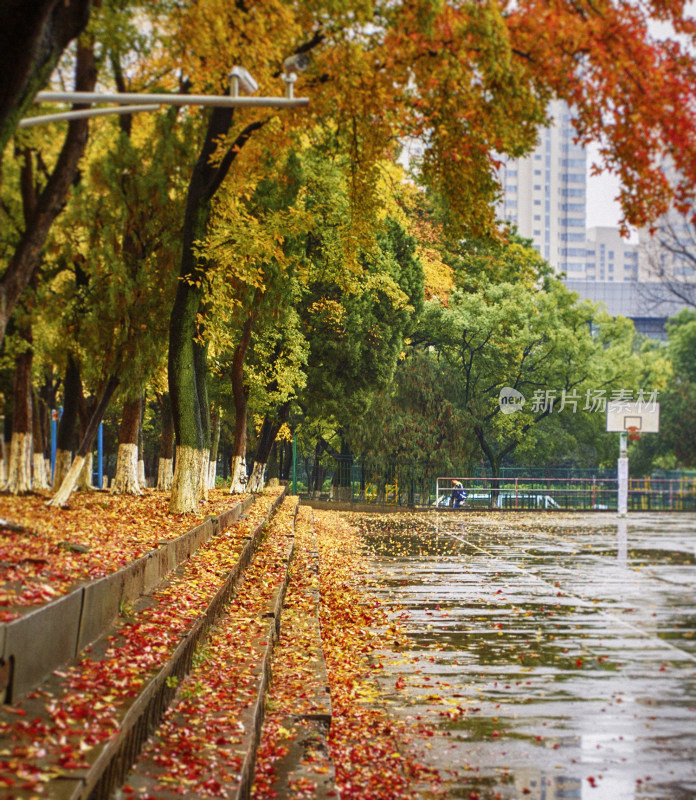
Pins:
x,y
133,102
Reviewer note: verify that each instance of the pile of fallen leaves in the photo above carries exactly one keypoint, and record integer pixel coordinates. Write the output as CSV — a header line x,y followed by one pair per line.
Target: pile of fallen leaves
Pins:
x,y
374,753
198,749
64,722
297,686
98,534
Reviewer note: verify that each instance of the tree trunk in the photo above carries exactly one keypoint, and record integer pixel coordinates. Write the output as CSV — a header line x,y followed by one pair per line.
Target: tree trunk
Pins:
x,y
142,479
84,479
226,458
187,357
39,472
60,499
27,256
39,418
165,470
317,477
241,396
343,487
19,466
215,426
494,462
34,35
267,435
84,414
72,389
165,474
239,475
3,459
126,480
188,477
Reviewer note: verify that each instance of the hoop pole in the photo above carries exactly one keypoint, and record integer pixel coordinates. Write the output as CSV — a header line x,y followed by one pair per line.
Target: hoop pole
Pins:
x,y
622,476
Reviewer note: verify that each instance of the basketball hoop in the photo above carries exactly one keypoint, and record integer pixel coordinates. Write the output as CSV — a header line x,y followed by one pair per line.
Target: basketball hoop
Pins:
x,y
633,433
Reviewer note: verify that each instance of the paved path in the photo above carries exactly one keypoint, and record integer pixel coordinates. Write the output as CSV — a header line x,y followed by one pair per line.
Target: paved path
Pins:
x,y
556,654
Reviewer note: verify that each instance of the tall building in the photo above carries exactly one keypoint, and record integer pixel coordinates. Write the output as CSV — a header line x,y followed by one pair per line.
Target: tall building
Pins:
x,y
609,257
545,193
545,197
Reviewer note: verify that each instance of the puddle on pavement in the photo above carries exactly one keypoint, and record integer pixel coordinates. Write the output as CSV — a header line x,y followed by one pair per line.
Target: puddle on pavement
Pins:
x,y
555,655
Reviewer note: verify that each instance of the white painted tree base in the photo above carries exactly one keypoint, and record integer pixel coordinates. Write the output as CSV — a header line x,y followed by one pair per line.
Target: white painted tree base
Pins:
x,y
239,475
165,474
189,485
142,480
61,497
61,468
19,468
212,474
126,480
257,478
40,472
84,480
202,488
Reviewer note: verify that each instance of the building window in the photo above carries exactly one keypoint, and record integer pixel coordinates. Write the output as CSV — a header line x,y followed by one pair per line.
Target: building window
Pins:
x,y
572,193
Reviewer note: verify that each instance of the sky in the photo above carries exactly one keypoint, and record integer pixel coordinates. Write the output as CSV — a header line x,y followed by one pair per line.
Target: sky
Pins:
x,y
603,209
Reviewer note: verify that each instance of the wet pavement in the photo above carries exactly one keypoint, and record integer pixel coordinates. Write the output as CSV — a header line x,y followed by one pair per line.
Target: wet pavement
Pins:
x,y
556,654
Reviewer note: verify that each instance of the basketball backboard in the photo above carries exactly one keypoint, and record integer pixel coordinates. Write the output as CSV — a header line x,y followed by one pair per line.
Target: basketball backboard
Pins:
x,y
643,417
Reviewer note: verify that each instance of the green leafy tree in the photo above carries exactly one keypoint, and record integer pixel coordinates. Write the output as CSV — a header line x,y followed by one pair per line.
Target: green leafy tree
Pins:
x,y
414,429
123,231
538,342
671,371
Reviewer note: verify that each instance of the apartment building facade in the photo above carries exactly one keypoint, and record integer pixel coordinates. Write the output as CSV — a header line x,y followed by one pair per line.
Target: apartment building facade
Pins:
x,y
545,195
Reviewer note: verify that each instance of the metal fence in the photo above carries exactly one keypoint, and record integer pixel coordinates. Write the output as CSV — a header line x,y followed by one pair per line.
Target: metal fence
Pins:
x,y
346,480
569,494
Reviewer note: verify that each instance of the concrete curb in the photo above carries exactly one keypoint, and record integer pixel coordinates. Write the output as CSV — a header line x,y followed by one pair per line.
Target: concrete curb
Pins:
x,y
112,766
148,772
247,777
47,637
307,723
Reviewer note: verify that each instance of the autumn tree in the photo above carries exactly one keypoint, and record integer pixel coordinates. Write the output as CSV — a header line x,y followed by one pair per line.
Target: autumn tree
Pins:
x,y
42,201
629,85
358,57
128,198
253,328
34,36
25,259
